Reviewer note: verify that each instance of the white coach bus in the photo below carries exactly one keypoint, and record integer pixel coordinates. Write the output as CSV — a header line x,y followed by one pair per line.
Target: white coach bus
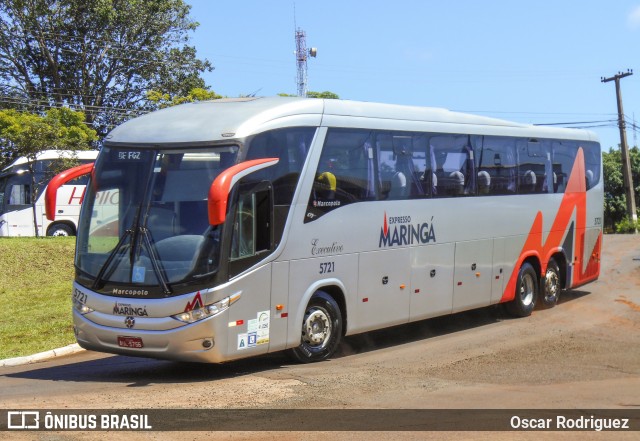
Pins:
x,y
16,209
256,225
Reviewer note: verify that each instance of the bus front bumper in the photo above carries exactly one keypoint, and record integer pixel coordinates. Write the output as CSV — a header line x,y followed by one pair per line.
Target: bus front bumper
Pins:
x,y
194,342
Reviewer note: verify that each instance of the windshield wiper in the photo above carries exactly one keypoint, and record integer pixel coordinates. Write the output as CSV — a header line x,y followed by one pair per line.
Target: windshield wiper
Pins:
x,y
117,251
155,260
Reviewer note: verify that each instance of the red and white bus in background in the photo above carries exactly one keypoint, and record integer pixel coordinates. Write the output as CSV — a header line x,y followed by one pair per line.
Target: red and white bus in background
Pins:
x,y
262,224
16,209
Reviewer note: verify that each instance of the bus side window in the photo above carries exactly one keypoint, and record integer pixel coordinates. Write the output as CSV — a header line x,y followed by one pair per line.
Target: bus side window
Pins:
x,y
402,164
496,164
592,158
291,147
563,158
454,167
345,172
534,164
19,194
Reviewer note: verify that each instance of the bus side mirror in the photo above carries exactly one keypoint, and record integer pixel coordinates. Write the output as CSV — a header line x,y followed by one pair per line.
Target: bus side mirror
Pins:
x,y
222,185
58,181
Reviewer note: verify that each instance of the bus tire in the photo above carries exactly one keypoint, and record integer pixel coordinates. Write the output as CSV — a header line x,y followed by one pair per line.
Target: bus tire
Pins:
x,y
526,292
550,287
60,230
321,329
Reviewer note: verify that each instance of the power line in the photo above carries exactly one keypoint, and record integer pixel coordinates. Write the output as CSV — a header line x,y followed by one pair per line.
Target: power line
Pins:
x,y
577,122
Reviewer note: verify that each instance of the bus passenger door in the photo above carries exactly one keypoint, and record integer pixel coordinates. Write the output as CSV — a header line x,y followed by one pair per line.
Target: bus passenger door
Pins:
x,y
472,274
431,281
384,288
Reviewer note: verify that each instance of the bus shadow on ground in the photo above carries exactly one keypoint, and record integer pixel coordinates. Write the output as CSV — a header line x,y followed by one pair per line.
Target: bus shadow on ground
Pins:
x,y
140,372
434,327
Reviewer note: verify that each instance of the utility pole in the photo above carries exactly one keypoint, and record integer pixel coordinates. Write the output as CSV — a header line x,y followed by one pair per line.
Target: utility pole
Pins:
x,y
624,148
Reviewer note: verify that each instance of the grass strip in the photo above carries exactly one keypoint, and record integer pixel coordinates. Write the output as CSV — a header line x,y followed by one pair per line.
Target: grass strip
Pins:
x,y
36,276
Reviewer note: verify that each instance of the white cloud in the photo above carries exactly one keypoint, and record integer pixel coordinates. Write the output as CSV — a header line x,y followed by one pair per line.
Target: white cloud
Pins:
x,y
633,19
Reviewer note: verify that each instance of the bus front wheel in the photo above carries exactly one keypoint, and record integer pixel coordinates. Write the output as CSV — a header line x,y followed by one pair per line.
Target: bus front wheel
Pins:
x,y
321,329
526,292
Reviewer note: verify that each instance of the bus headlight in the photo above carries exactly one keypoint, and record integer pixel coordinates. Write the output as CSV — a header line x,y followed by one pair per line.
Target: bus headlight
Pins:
x,y
81,307
204,312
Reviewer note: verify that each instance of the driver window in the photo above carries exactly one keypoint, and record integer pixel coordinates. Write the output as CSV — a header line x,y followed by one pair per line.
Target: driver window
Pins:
x,y
244,229
251,226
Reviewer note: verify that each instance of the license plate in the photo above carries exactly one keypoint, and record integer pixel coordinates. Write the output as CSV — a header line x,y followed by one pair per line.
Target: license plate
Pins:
x,y
130,342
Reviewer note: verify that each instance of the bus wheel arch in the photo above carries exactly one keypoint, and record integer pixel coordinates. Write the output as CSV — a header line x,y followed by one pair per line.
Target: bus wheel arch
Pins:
x,y
322,329
61,229
526,290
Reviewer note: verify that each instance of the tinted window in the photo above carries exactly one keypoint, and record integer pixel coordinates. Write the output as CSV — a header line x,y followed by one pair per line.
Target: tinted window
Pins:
x,y
534,165
402,165
291,147
496,163
564,156
345,172
592,158
453,162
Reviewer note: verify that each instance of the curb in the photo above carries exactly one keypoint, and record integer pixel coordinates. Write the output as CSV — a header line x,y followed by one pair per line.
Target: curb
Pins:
x,y
41,356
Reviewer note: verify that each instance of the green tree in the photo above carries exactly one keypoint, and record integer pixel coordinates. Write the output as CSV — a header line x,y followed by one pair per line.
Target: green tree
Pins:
x,y
162,100
615,201
99,56
27,134
326,94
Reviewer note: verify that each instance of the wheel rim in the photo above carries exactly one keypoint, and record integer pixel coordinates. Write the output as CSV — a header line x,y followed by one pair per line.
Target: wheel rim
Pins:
x,y
316,328
551,285
60,233
526,289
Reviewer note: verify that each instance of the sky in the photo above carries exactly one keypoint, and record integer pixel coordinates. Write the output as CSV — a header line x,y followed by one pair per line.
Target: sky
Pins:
x,y
532,62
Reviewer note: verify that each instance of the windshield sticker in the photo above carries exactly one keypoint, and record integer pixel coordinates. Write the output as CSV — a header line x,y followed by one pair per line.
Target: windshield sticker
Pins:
x,y
138,274
400,230
263,328
242,341
257,331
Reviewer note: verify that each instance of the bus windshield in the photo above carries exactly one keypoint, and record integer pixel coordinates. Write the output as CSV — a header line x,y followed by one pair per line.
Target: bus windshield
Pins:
x,y
144,219
3,187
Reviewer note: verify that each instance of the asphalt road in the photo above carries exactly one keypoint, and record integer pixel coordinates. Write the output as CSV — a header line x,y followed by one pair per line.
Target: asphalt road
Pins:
x,y
582,354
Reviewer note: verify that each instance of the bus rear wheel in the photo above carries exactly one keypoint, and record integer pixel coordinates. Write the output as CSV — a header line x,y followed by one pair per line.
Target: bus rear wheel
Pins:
x,y
550,289
526,292
321,329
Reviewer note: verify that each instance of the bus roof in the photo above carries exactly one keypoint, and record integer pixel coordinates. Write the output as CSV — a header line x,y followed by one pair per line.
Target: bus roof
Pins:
x,y
54,154
206,122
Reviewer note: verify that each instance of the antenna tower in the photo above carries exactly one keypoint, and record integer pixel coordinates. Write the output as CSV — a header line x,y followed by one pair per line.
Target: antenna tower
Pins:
x,y
301,60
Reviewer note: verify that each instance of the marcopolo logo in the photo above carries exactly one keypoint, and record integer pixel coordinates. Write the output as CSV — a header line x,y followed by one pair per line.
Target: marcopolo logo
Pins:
x,y
400,230
130,292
